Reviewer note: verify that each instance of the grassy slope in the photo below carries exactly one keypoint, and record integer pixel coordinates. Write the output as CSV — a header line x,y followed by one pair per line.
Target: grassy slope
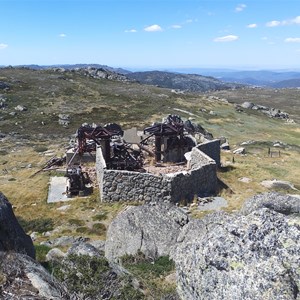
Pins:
x,y
46,94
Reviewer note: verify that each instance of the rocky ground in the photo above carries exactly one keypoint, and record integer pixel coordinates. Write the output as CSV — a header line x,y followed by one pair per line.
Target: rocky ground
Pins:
x,y
251,254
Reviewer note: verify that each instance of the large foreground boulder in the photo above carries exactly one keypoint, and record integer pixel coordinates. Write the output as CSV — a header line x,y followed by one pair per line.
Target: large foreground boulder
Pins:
x,y
23,278
12,236
284,204
150,229
251,255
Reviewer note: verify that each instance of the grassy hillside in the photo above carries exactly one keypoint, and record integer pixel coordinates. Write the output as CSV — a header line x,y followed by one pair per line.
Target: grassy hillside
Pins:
x,y
32,136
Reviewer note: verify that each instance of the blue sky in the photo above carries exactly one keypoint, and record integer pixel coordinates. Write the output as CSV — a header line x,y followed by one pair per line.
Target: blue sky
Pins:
x,y
251,34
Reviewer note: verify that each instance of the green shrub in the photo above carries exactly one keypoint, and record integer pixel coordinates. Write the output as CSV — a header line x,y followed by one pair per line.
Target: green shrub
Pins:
x,y
92,278
151,274
76,222
82,229
39,225
41,252
100,217
3,152
140,265
40,149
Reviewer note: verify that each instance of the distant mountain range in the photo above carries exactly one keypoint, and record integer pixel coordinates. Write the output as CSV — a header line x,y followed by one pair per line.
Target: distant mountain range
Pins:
x,y
198,79
263,78
186,82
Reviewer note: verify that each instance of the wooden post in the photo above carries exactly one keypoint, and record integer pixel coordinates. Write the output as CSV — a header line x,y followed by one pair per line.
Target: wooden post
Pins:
x,y
158,148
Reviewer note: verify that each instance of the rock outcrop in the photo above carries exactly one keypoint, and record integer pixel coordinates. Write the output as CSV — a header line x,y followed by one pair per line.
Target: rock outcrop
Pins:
x,y
251,255
12,236
150,229
23,278
269,111
284,204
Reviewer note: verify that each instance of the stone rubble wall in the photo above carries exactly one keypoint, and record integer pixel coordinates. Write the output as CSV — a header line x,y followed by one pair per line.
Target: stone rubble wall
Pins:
x,y
134,186
212,149
118,185
200,180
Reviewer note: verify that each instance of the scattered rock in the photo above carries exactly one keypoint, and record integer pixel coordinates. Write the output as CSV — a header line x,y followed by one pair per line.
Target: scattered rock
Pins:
x,y
245,179
250,142
64,207
212,204
239,151
26,279
225,146
55,255
151,229
98,244
81,248
284,204
64,119
21,108
64,241
4,85
268,111
247,105
278,184
12,236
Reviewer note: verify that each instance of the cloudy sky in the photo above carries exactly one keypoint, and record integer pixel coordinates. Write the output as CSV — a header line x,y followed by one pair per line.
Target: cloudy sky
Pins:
x,y
151,34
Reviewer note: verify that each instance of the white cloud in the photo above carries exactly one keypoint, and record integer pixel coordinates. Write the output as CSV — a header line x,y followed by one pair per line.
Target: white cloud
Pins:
x,y
131,31
264,38
176,26
3,46
252,25
62,35
292,40
295,21
240,7
153,28
227,38
273,24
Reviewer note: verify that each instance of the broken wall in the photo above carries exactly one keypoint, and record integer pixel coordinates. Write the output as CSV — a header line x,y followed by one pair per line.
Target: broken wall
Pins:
x,y
119,185
212,149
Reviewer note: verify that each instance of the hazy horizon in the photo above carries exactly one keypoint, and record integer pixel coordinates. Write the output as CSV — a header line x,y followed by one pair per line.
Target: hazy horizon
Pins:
x,y
152,34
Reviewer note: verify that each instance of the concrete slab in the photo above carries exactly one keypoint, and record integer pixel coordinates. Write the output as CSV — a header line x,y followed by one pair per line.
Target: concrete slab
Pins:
x,y
57,190
216,204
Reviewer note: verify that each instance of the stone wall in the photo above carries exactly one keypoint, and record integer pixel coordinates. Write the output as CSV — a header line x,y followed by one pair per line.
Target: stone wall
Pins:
x,y
200,180
117,185
212,149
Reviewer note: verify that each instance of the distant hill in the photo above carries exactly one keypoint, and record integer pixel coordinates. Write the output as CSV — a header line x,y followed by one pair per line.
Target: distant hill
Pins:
x,y
76,66
186,82
195,79
290,83
264,78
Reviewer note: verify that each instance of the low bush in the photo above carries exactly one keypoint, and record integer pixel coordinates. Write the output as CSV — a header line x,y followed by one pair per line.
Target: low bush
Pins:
x,y
41,252
39,225
92,278
76,222
100,217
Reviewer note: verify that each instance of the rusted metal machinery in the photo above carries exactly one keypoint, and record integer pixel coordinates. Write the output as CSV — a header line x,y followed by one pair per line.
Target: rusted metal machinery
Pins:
x,y
88,137
170,140
117,153
52,164
123,157
79,183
